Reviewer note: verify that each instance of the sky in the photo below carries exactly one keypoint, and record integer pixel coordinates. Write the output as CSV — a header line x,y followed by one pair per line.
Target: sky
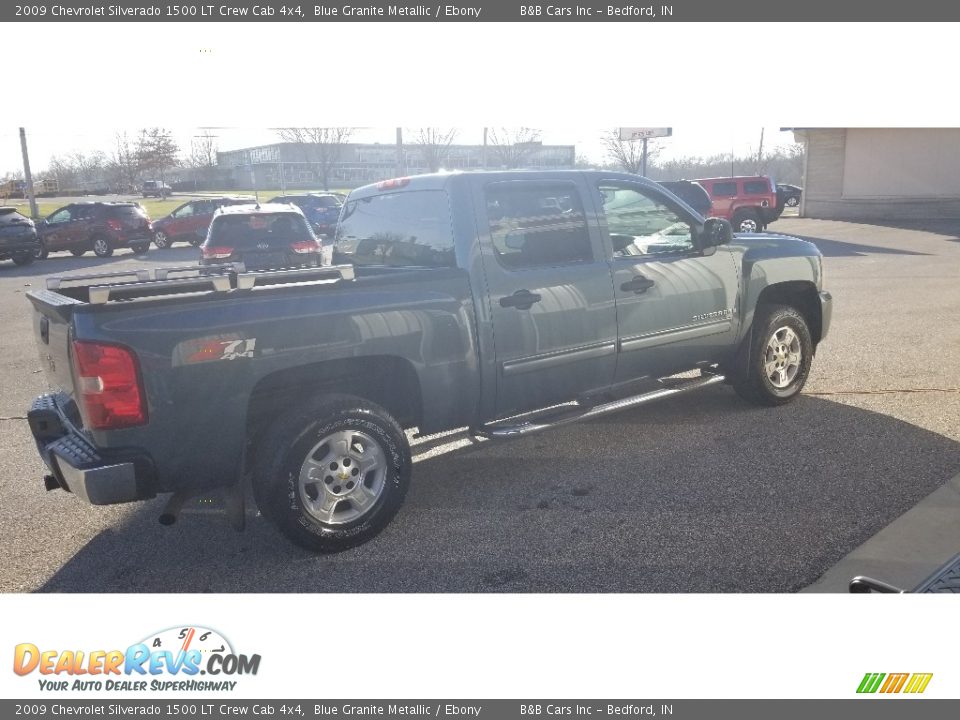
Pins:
x,y
46,141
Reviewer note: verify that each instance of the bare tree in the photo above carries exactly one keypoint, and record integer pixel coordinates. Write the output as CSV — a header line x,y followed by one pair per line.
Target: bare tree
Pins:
x,y
434,145
157,150
628,154
512,146
203,156
321,146
123,167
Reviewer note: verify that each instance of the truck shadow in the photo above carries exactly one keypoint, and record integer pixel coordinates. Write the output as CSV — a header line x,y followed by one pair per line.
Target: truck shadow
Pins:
x,y
702,493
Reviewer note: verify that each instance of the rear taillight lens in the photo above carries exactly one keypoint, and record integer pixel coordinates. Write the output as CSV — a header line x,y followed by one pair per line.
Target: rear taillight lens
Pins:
x,y
307,246
216,253
114,225
108,386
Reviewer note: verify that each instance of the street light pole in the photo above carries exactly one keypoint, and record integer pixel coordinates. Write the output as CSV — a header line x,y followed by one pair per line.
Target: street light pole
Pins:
x,y
28,178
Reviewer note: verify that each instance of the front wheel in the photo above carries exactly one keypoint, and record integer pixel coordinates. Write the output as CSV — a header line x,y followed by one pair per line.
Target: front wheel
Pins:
x,y
77,251
746,221
24,258
102,247
140,248
778,357
334,472
161,240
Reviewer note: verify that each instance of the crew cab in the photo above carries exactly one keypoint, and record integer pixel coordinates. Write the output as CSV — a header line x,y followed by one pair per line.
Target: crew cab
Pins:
x,y
503,302
749,202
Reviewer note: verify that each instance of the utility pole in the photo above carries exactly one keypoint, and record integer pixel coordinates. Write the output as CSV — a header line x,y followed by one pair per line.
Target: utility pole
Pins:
x,y
760,152
643,166
483,157
27,177
400,163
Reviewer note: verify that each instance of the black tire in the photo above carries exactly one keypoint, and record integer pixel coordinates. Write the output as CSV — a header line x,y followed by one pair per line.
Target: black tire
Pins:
x,y
140,248
24,258
197,241
77,252
162,240
746,220
102,247
289,442
792,201
752,381
41,252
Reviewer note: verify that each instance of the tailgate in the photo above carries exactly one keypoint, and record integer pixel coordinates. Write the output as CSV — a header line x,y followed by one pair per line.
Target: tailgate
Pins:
x,y
52,313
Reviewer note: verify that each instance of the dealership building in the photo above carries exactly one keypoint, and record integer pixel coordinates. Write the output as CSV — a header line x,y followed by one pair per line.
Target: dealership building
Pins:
x,y
294,165
881,173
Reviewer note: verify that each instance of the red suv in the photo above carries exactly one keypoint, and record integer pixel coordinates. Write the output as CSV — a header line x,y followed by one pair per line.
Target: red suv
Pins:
x,y
189,222
749,203
98,226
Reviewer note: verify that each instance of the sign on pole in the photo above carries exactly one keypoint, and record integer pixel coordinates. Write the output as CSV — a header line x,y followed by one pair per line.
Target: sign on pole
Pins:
x,y
644,133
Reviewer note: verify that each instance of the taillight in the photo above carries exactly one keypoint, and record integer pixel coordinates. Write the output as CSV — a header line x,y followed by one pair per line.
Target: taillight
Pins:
x,y
216,253
114,225
306,246
393,183
108,386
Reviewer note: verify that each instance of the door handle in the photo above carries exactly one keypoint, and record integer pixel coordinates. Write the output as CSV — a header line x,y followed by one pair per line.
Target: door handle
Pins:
x,y
639,284
521,300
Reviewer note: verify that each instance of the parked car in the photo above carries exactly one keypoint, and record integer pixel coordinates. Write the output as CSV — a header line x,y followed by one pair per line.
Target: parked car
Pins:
x,y
18,237
99,226
190,221
691,193
472,300
749,203
320,209
155,188
262,237
788,195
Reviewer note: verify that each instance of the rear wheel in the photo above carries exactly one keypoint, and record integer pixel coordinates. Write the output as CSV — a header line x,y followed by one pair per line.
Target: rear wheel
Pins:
x,y
77,252
196,241
746,221
24,258
161,240
778,357
102,246
140,248
334,473
792,202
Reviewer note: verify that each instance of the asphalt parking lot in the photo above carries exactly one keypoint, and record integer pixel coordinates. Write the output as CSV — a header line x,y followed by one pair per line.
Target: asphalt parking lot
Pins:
x,y
699,493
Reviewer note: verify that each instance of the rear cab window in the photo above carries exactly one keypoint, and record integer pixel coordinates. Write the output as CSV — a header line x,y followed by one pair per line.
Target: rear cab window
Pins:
x,y
401,229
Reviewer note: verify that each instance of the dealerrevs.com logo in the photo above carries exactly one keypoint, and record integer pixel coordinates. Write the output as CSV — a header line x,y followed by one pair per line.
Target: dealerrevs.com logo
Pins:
x,y
892,683
177,659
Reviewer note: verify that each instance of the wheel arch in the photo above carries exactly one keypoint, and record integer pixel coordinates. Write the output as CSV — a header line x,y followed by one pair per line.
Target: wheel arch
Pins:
x,y
801,295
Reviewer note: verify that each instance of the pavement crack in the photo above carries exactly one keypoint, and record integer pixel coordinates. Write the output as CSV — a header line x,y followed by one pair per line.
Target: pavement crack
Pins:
x,y
13,417
888,391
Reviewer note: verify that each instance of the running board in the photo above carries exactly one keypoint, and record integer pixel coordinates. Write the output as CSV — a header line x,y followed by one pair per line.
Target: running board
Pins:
x,y
503,430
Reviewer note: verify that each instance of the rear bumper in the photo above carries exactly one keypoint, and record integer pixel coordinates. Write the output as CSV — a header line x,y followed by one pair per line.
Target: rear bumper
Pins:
x,y
98,477
18,247
826,312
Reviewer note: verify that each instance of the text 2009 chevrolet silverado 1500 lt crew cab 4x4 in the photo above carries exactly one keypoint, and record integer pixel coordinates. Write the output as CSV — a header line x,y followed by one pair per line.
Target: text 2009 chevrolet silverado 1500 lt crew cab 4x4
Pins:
x,y
455,300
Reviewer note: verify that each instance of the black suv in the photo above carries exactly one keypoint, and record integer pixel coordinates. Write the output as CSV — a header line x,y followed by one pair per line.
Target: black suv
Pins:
x,y
262,237
18,237
98,226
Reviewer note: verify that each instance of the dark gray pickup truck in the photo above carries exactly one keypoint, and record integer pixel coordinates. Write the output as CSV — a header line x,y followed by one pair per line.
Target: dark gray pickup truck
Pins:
x,y
504,302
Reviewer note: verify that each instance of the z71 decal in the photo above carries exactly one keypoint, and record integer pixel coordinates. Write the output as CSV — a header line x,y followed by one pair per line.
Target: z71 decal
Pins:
x,y
211,349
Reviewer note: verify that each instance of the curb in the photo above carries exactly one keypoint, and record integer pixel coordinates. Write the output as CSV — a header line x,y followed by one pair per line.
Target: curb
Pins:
x,y
906,551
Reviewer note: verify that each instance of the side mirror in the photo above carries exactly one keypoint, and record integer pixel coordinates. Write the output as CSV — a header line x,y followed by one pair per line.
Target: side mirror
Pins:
x,y
716,231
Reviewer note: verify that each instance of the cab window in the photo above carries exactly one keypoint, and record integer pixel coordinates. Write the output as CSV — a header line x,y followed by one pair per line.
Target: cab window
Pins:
x,y
642,224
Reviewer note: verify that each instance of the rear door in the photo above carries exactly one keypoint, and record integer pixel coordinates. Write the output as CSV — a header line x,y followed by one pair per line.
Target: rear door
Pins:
x,y
551,297
675,304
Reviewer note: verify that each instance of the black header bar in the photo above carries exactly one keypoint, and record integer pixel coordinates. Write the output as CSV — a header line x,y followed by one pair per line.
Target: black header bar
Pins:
x,y
720,11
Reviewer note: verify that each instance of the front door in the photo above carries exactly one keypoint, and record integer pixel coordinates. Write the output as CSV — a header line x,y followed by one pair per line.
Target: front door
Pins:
x,y
676,304
55,231
551,298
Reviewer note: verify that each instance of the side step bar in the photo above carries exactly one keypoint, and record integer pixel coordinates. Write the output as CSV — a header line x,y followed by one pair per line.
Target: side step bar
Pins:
x,y
505,429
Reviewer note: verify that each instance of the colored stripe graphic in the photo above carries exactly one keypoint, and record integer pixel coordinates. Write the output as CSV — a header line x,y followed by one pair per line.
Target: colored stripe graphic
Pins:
x,y
894,682
870,682
918,683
